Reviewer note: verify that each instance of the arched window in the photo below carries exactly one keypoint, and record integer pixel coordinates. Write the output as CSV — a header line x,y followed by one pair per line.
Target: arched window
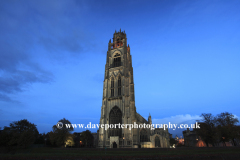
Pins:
x,y
157,142
117,60
115,117
112,87
119,86
143,136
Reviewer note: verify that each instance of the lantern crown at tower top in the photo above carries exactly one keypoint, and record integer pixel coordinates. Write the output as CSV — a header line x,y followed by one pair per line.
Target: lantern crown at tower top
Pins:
x,y
119,40
117,36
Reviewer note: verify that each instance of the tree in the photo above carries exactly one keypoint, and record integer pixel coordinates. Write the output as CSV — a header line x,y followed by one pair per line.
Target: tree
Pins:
x,y
87,138
207,130
221,128
60,134
20,134
40,139
227,127
6,136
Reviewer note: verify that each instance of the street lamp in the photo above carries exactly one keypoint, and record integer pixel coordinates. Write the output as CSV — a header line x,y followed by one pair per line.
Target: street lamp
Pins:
x,y
123,142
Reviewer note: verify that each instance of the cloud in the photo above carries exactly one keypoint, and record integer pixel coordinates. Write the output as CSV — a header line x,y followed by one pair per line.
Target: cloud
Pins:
x,y
13,81
26,28
57,26
5,98
17,70
178,119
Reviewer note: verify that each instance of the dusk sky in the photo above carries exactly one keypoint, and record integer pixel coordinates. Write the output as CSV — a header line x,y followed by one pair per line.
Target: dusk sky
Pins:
x,y
185,56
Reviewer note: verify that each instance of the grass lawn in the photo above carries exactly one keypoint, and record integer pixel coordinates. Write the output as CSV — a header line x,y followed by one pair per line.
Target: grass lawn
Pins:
x,y
141,153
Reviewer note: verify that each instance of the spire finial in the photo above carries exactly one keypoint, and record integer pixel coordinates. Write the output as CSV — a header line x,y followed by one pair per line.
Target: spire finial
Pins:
x,y
120,29
149,115
115,31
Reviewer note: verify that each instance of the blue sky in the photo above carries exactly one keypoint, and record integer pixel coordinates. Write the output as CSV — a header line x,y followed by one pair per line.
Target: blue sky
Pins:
x,y
185,56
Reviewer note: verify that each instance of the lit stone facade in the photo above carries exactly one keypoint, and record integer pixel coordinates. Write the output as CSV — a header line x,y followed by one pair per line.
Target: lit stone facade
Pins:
x,y
118,104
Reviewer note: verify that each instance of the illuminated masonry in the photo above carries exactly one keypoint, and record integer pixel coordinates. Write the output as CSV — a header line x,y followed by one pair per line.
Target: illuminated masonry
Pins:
x,y
118,104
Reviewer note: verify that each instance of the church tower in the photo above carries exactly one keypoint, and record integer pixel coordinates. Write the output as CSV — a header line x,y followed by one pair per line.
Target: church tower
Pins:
x,y
118,103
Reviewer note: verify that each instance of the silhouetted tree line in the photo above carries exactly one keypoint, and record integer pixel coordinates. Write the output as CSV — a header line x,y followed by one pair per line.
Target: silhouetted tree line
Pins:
x,y
23,134
219,129
19,134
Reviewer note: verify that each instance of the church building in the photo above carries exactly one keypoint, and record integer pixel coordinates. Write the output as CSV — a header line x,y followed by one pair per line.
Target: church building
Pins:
x,y
118,103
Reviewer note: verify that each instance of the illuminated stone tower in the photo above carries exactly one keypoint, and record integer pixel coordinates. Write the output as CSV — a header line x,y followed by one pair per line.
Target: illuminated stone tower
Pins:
x,y
118,103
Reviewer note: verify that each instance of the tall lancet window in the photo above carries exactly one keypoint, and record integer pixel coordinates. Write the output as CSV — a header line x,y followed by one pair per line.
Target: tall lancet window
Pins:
x,y
117,60
119,86
112,87
115,117
143,136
